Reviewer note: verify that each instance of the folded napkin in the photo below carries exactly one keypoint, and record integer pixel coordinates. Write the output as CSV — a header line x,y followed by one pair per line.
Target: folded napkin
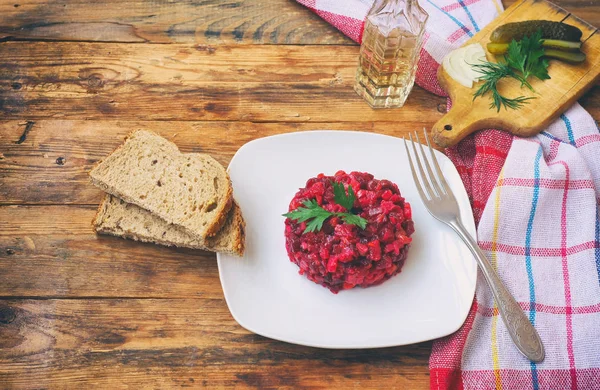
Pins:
x,y
536,203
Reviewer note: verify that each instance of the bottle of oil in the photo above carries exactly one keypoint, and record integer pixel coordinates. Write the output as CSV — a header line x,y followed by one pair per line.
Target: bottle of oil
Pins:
x,y
391,43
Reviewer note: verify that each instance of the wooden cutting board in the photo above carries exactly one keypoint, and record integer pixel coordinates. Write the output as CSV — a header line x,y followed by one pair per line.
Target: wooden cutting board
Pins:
x,y
567,84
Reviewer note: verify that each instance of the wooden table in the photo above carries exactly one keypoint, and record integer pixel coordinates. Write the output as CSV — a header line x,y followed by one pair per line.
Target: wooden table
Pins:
x,y
79,310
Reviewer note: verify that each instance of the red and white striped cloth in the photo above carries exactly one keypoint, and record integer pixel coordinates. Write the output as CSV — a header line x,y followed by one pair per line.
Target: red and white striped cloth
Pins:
x,y
536,201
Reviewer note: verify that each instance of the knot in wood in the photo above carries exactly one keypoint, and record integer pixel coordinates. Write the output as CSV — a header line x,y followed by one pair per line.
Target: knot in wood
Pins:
x,y
95,81
206,48
7,314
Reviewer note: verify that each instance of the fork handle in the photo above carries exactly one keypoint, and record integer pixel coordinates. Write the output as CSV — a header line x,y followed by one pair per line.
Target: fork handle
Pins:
x,y
520,329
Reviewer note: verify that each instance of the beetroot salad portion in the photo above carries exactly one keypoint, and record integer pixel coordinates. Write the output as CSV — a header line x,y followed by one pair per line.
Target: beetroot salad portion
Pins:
x,y
348,230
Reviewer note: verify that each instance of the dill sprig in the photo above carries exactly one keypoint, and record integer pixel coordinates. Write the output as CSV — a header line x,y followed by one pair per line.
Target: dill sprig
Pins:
x,y
492,73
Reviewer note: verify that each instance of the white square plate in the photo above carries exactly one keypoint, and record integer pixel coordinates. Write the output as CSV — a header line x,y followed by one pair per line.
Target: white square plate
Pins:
x,y
430,298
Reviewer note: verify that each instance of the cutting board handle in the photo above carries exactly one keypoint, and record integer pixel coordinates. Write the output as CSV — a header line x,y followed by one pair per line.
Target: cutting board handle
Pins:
x,y
459,122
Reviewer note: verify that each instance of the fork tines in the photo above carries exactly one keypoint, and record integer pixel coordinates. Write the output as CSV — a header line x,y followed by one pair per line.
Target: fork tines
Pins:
x,y
434,184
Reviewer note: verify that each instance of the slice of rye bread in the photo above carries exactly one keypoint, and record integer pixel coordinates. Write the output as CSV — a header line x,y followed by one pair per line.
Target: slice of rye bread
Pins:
x,y
188,190
119,218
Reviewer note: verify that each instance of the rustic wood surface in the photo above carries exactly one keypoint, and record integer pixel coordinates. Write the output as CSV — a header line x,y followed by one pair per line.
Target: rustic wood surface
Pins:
x,y
81,311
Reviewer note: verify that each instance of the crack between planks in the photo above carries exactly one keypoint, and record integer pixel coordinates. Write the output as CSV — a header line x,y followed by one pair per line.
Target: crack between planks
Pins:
x,y
23,137
95,297
86,205
591,35
233,43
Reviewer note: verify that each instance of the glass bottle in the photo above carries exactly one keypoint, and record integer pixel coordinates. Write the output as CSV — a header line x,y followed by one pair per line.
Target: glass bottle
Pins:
x,y
391,44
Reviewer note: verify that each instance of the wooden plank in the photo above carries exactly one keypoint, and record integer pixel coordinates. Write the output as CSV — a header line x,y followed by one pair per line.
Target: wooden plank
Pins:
x,y
166,21
48,164
187,21
586,10
567,83
183,82
178,343
51,163
52,251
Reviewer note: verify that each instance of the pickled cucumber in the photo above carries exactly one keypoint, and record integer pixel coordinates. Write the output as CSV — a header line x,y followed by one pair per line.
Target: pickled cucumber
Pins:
x,y
561,45
501,48
573,57
550,30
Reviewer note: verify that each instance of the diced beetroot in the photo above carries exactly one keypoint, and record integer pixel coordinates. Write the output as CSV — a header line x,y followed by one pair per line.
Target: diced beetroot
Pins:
x,y
407,211
355,185
396,198
342,256
374,250
375,211
362,248
381,218
386,195
333,221
387,207
404,239
386,235
397,246
347,254
332,264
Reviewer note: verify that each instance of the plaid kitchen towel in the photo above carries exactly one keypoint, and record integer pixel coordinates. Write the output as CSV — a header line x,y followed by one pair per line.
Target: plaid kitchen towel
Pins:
x,y
536,203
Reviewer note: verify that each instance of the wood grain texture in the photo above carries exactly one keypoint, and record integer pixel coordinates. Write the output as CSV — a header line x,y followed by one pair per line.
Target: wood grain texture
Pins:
x,y
181,82
172,343
186,21
551,98
166,21
584,9
51,165
52,251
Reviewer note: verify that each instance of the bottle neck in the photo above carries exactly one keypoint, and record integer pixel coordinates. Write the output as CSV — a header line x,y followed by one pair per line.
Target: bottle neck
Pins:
x,y
391,6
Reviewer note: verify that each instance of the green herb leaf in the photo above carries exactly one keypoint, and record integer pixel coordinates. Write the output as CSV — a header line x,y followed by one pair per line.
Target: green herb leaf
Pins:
x,y
535,65
541,71
526,55
354,220
513,56
340,197
312,211
492,73
317,215
522,60
315,224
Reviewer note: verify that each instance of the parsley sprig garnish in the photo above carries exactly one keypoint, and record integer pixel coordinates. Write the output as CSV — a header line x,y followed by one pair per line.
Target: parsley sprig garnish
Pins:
x,y
316,215
526,57
522,60
340,197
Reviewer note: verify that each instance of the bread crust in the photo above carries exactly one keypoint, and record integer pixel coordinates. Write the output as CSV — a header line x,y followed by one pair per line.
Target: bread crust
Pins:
x,y
235,225
240,243
221,213
100,212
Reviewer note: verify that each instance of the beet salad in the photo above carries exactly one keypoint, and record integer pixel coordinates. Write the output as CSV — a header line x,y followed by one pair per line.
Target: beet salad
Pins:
x,y
348,230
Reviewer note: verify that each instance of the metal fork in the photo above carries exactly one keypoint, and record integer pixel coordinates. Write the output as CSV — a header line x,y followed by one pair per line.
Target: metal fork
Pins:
x,y
441,204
